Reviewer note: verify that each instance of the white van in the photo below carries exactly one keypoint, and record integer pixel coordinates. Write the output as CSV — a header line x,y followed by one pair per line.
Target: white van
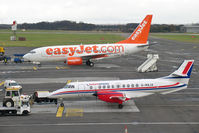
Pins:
x,y
12,84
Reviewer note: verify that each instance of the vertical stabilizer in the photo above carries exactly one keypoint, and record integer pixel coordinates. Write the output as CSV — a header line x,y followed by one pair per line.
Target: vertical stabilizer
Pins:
x,y
140,34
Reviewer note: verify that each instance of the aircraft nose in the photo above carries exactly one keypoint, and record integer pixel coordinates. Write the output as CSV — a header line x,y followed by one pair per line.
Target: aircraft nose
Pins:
x,y
26,57
51,95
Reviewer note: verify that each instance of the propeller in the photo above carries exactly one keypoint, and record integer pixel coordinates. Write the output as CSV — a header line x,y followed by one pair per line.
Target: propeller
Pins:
x,y
95,94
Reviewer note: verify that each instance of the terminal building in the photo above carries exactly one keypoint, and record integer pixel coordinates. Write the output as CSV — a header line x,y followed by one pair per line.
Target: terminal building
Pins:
x,y
192,28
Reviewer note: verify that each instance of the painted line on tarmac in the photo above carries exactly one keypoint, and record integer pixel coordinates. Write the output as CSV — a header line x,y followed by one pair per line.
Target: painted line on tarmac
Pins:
x,y
98,124
10,72
59,80
181,93
2,83
74,112
57,67
60,111
170,105
192,89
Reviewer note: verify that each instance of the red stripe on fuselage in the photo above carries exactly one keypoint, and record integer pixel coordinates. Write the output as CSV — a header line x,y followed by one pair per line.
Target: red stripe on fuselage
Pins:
x,y
119,89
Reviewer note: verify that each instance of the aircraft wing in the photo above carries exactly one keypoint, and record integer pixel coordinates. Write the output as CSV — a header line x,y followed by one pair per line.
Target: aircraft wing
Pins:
x,y
100,56
137,94
112,96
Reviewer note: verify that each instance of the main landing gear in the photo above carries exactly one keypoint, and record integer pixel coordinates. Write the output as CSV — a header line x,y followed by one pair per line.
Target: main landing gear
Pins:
x,y
89,63
120,106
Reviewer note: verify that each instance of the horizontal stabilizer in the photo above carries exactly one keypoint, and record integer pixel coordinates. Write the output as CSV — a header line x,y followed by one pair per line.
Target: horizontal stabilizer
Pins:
x,y
167,92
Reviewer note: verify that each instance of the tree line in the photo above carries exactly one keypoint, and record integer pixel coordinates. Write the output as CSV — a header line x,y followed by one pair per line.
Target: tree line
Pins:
x,y
81,26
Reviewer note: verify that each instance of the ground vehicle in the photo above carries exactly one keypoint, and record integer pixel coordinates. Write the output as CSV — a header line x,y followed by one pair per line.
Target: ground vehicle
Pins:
x,y
15,103
2,51
18,58
42,96
11,84
2,55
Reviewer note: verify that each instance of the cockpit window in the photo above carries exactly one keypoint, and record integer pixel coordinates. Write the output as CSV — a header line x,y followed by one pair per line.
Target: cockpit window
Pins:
x,y
69,86
32,52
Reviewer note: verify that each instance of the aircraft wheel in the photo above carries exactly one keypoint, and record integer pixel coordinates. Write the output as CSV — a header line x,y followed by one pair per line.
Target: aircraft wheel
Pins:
x,y
120,106
88,62
91,64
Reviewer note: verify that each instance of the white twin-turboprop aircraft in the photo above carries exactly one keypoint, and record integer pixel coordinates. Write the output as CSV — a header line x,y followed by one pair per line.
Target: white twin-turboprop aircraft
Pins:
x,y
79,54
120,91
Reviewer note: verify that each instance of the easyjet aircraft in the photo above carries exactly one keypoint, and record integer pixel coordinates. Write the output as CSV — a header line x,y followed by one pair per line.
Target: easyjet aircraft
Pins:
x,y
119,91
79,54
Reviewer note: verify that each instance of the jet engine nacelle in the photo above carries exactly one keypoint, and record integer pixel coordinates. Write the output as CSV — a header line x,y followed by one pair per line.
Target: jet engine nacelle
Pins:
x,y
111,97
74,61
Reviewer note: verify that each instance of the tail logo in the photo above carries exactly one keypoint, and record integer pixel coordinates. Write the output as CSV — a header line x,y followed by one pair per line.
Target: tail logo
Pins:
x,y
188,66
139,30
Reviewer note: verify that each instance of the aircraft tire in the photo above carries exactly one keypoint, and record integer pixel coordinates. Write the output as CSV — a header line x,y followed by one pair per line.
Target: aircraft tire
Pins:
x,y
120,106
91,64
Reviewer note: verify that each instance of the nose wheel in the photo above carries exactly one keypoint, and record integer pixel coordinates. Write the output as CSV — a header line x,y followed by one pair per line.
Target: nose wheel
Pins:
x,y
89,63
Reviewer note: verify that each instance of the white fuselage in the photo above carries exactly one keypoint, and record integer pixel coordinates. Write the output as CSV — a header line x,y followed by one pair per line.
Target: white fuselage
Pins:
x,y
134,88
61,53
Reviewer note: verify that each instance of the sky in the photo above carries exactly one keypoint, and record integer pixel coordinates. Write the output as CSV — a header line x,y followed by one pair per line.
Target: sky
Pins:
x,y
100,11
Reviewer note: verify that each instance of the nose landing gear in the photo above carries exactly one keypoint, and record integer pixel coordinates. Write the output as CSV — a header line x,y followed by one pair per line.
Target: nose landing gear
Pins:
x,y
89,63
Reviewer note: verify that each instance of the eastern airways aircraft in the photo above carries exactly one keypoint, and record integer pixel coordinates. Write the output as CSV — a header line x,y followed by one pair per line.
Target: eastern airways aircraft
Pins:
x,y
120,91
79,54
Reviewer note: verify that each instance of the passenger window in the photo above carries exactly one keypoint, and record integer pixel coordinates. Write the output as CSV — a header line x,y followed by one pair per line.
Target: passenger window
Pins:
x,y
118,86
104,86
91,87
108,86
113,86
99,87
132,85
128,85
123,85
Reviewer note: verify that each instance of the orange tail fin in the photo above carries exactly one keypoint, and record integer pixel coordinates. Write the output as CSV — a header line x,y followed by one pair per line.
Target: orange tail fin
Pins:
x,y
140,34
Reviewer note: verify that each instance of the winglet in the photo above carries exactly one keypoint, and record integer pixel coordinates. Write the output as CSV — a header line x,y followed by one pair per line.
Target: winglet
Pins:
x,y
140,34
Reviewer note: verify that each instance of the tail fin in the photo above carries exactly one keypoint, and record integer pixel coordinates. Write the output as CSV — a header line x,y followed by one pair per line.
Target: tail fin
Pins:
x,y
140,34
181,76
183,73
184,70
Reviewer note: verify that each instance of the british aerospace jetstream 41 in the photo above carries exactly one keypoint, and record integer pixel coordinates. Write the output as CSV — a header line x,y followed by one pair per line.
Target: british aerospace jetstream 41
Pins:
x,y
120,91
79,54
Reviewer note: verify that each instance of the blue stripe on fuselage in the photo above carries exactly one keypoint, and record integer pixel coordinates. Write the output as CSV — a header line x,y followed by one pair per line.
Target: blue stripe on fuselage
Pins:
x,y
77,92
